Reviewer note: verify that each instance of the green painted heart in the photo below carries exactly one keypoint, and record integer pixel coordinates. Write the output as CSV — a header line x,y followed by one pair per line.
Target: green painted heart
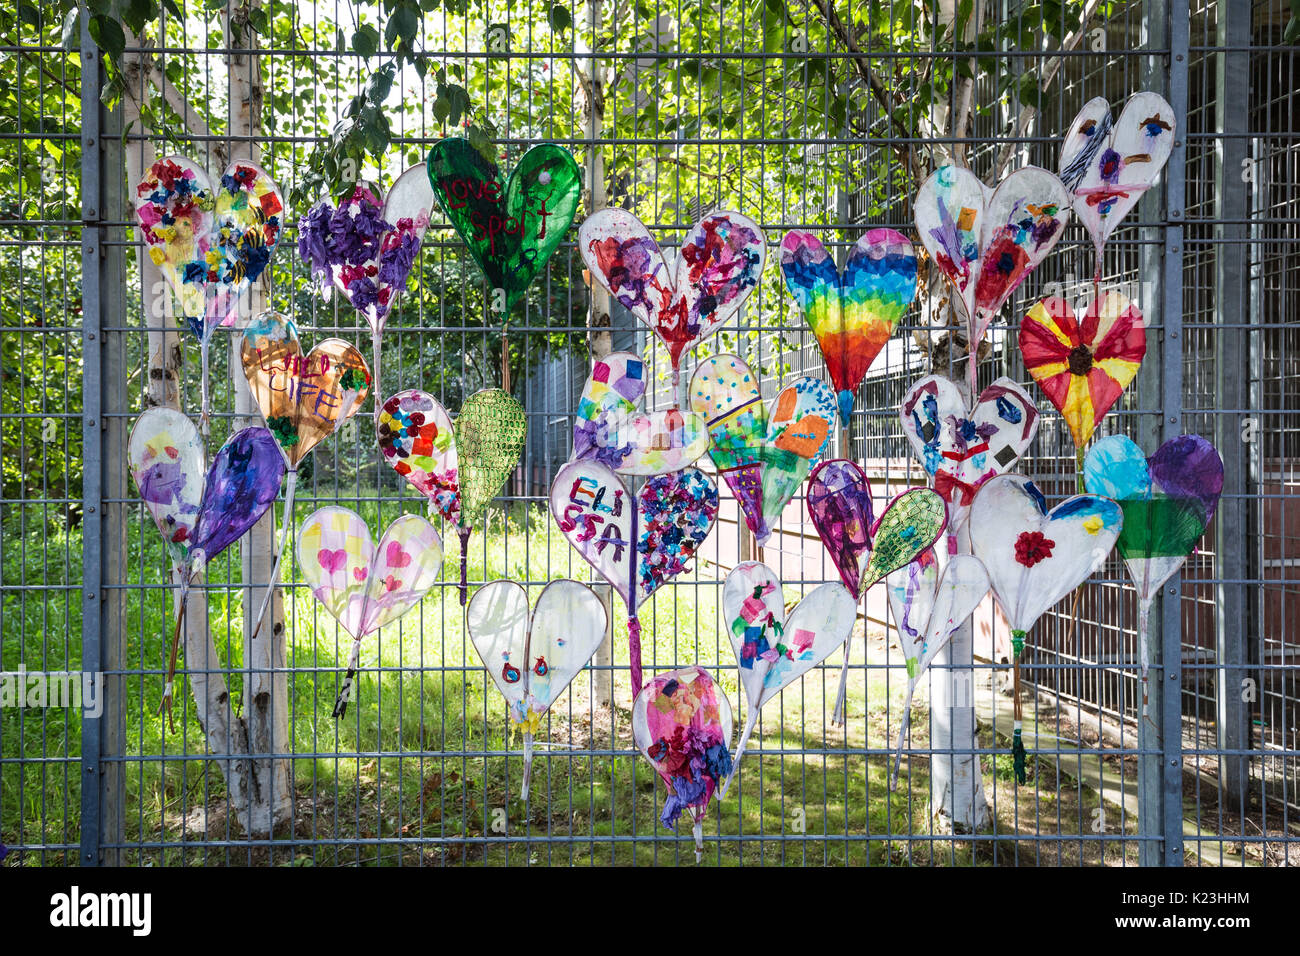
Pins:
x,y
911,523
511,227
489,434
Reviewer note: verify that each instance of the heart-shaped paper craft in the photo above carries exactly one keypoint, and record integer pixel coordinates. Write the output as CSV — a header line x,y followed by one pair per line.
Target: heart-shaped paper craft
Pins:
x,y
762,455
853,313
840,506
988,243
363,586
911,523
417,439
636,545
1083,367
774,648
490,433
533,657
459,468
210,243
166,458
839,503
364,247
682,724
513,227
302,398
1034,556
611,429
201,515
961,449
929,604
1167,500
1108,168
717,267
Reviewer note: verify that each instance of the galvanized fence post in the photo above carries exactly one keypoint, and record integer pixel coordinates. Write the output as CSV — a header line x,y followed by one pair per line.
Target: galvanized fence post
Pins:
x,y
1169,716
92,236
1232,393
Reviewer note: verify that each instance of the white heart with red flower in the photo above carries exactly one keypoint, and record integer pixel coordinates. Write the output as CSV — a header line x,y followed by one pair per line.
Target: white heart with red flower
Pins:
x,y
1035,556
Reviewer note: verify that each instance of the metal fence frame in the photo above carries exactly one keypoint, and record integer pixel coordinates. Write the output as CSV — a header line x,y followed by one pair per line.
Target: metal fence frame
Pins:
x,y
1170,243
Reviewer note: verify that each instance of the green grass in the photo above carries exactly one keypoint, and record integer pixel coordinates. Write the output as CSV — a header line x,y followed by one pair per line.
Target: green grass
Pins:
x,y
417,758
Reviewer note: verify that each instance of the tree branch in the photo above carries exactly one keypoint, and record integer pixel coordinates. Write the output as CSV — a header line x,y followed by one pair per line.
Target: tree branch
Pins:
x,y
138,67
860,61
963,110
1027,113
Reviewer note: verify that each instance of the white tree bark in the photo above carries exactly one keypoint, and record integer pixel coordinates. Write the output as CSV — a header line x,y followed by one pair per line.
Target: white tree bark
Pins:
x,y
250,785
600,339
956,784
266,689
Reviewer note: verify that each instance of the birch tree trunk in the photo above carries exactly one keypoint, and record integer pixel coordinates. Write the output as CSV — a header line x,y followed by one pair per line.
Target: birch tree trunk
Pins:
x,y
600,338
248,794
956,784
266,689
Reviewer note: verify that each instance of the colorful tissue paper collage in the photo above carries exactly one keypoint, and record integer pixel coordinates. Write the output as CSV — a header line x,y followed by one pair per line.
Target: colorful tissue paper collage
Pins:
x,y
642,489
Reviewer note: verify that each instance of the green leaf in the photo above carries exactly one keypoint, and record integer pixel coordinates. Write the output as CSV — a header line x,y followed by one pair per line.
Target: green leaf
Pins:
x,y
838,112
559,18
108,36
365,40
71,38
380,84
1028,89
378,135
403,25
481,140
964,10
136,13
1292,32
461,105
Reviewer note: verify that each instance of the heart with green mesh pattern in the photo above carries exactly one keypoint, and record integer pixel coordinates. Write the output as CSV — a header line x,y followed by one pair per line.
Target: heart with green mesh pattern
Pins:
x,y
511,226
911,523
489,434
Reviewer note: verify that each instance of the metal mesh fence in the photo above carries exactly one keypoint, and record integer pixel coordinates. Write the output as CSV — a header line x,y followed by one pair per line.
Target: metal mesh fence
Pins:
x,y
702,109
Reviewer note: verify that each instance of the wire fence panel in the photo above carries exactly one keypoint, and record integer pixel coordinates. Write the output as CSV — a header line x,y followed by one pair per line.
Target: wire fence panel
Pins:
x,y
798,114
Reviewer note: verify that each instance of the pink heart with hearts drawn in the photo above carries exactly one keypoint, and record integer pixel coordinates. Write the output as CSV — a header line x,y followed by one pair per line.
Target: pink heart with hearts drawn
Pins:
x,y
397,558
361,573
332,561
391,583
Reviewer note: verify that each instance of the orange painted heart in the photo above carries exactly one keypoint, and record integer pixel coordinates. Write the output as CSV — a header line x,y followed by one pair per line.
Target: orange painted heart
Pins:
x,y
303,398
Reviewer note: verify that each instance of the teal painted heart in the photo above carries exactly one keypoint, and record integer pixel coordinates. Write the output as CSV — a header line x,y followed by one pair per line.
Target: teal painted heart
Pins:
x,y
511,227
1167,500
